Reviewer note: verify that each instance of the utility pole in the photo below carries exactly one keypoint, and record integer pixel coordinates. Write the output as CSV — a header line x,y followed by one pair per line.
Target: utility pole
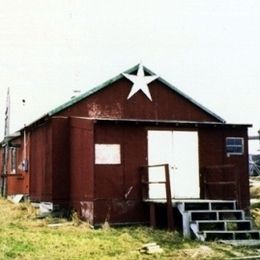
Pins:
x,y
5,146
25,160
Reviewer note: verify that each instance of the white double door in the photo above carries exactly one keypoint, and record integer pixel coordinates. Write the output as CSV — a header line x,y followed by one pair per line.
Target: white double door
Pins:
x,y
179,149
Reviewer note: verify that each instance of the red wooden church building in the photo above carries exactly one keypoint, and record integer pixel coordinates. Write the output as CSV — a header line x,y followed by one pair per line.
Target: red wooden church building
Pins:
x,y
88,154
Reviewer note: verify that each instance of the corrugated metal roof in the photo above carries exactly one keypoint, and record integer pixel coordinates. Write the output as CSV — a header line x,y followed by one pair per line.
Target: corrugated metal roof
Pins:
x,y
118,77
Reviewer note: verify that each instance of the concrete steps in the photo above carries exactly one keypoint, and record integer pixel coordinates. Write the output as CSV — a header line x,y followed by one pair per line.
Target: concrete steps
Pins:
x,y
215,220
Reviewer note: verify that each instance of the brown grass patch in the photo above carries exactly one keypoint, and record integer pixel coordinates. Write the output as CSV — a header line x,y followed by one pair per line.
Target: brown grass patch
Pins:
x,y
255,192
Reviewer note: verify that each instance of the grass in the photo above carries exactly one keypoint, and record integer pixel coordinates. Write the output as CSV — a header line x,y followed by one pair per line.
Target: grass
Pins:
x,y
23,236
255,194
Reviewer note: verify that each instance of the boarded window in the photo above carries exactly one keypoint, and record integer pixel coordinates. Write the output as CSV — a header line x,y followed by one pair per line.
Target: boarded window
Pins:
x,y
107,154
235,145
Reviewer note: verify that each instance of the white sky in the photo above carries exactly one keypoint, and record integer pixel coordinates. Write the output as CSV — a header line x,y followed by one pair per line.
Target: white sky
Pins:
x,y
209,49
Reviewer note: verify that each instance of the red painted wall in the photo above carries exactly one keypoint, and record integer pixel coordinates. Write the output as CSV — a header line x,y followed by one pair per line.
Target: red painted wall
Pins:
x,y
112,182
117,187
111,102
212,154
41,163
81,167
60,160
49,162
18,181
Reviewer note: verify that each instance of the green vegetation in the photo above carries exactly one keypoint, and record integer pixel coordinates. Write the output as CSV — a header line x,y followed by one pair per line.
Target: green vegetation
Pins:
x,y
255,199
23,236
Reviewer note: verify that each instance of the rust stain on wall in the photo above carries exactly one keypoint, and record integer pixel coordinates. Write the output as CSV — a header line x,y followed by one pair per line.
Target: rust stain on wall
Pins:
x,y
97,110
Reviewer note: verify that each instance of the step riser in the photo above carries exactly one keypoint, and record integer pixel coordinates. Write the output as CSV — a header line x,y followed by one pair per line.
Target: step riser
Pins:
x,y
224,226
216,215
230,215
213,220
189,206
231,235
224,236
253,235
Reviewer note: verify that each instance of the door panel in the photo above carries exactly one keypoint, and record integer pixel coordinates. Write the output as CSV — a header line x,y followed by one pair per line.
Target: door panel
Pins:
x,y
159,152
179,149
185,173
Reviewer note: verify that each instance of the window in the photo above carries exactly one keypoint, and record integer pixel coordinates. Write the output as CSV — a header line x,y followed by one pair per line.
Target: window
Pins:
x,y
234,145
107,154
13,160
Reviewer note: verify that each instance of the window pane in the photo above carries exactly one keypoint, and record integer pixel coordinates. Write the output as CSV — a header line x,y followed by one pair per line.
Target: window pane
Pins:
x,y
238,142
230,141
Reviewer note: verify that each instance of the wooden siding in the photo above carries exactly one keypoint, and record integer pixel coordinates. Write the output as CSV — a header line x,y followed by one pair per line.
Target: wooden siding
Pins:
x,y
60,160
117,187
113,182
216,166
18,182
81,167
112,102
41,163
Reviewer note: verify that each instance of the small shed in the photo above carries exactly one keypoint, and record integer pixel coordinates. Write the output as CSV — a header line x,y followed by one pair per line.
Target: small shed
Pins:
x,y
89,154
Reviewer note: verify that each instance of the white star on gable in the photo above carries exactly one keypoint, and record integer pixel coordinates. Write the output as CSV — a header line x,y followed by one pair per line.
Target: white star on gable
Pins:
x,y
140,82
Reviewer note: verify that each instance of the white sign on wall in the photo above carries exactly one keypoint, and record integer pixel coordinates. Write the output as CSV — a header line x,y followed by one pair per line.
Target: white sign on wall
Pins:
x,y
107,154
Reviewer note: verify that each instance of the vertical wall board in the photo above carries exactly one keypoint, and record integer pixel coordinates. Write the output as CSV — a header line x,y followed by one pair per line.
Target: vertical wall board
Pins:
x,y
41,163
60,160
47,190
135,157
120,211
81,166
109,178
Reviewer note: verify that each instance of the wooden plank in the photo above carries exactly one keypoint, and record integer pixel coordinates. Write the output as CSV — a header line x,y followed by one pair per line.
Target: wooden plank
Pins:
x,y
170,219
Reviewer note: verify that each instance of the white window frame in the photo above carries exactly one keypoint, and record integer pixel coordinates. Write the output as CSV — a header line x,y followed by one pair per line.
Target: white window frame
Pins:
x,y
242,146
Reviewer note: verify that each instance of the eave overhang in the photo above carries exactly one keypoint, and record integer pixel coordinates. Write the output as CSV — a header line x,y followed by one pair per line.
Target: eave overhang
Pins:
x,y
175,123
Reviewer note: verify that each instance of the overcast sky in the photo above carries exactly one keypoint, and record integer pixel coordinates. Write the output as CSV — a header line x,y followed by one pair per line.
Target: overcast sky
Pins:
x,y
209,49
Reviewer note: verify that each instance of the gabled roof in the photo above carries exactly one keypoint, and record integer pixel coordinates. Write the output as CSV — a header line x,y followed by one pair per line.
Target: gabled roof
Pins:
x,y
116,78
